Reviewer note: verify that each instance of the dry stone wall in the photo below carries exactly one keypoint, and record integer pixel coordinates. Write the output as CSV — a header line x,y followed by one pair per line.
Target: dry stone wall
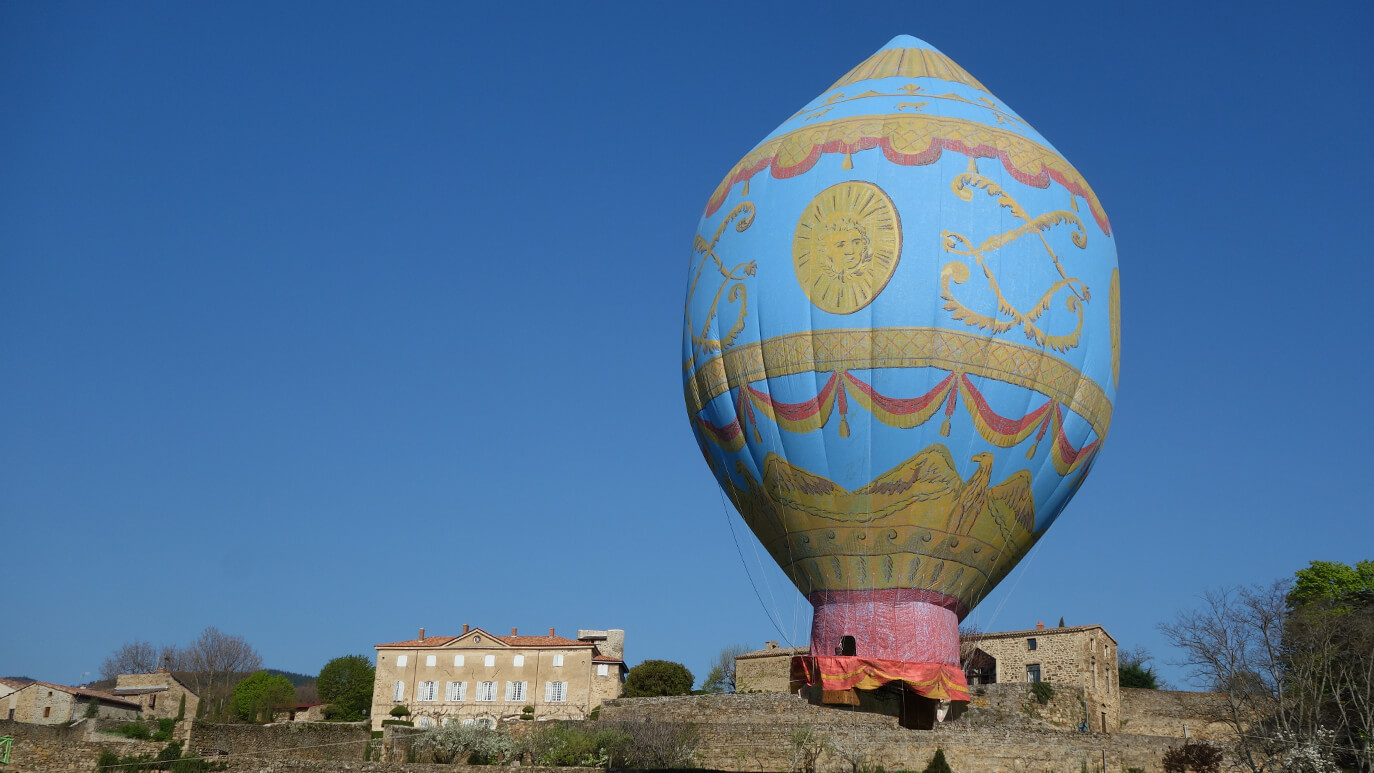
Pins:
x,y
64,748
327,741
1170,713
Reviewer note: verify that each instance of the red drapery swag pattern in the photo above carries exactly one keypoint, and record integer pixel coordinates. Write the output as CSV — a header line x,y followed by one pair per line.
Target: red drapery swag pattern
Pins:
x,y
904,413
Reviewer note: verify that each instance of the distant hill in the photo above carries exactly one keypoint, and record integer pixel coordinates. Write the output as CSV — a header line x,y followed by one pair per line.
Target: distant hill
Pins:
x,y
297,680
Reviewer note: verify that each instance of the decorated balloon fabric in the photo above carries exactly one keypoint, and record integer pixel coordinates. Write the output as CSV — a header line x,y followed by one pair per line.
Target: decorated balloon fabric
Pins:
x,y
900,353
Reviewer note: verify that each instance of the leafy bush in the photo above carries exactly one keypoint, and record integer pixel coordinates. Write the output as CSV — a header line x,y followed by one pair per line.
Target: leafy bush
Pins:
x,y
136,730
1195,756
1043,692
654,678
165,727
454,743
565,745
400,711
398,722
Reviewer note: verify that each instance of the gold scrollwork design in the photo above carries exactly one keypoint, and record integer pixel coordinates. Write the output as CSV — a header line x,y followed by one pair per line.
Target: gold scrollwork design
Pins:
x,y
958,273
702,343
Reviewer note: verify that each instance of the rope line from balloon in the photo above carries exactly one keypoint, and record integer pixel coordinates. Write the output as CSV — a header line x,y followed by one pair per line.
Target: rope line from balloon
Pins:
x,y
903,413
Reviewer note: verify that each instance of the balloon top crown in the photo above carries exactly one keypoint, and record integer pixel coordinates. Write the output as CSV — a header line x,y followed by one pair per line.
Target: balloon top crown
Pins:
x,y
906,56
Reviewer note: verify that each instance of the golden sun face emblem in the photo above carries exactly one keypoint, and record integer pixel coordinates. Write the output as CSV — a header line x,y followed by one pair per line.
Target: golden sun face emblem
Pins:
x,y
846,246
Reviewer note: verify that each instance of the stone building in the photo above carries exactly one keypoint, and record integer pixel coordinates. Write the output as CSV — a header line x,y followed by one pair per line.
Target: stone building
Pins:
x,y
42,703
482,678
766,670
1080,656
157,693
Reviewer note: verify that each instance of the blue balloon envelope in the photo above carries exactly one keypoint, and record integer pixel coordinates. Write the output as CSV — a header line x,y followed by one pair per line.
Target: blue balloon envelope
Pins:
x,y
900,353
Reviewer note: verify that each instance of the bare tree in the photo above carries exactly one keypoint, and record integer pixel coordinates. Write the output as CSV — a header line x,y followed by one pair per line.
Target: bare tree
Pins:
x,y
1298,682
722,675
215,661
135,657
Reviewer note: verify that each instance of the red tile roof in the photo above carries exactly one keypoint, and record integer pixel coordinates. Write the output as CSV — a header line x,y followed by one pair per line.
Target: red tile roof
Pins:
x,y
542,641
606,659
428,641
509,641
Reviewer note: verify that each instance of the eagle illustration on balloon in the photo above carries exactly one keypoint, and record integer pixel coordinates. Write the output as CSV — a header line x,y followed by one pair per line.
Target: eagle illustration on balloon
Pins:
x,y
900,353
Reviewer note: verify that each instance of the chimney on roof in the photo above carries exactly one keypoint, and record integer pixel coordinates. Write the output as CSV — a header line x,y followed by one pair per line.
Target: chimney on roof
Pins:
x,y
551,632
465,628
513,632
422,632
771,645
1040,625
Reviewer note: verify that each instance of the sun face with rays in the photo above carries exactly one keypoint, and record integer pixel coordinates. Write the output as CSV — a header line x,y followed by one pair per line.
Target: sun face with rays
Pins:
x,y
846,246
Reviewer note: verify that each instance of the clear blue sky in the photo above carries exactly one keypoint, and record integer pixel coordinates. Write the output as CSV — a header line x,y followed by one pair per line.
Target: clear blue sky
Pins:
x,y
323,322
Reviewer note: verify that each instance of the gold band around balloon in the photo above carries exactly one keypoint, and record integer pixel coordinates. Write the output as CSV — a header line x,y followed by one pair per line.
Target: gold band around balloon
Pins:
x,y
824,351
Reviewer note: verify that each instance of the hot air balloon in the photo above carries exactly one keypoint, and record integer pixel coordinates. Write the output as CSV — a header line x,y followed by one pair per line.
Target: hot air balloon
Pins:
x,y
900,353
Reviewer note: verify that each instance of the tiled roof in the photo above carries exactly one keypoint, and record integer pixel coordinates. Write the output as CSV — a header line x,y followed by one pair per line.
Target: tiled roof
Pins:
x,y
97,694
14,683
776,652
428,641
542,641
1047,631
606,659
509,641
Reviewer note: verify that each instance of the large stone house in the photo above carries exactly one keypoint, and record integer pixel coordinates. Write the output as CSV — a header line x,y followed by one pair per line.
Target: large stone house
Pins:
x,y
479,677
158,694
43,703
1081,656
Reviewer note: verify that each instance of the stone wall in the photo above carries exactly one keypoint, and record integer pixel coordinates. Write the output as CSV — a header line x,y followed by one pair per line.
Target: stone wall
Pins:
x,y
754,733
1169,713
65,748
331,741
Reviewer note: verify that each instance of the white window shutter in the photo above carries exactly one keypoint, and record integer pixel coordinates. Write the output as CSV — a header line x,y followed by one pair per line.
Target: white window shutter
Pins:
x,y
519,660
457,660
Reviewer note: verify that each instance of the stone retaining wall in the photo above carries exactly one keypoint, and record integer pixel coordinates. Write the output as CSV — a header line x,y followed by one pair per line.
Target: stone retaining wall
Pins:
x,y
327,741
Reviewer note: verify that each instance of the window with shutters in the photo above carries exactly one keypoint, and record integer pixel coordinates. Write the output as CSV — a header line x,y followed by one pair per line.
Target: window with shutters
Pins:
x,y
398,691
515,691
456,692
489,661
486,691
558,660
425,722
458,660
1033,672
519,660
555,692
430,660
428,691
400,661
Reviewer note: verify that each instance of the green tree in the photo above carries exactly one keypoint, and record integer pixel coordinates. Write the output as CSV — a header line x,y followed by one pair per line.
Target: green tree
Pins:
x,y
721,677
1134,670
258,693
345,683
653,678
1333,583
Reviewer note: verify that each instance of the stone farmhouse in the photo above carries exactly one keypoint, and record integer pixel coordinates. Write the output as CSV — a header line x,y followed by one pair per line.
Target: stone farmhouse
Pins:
x,y
481,678
44,703
1083,656
157,693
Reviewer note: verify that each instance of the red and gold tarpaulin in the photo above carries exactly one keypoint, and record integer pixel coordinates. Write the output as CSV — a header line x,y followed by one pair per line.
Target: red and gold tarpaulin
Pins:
x,y
842,672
